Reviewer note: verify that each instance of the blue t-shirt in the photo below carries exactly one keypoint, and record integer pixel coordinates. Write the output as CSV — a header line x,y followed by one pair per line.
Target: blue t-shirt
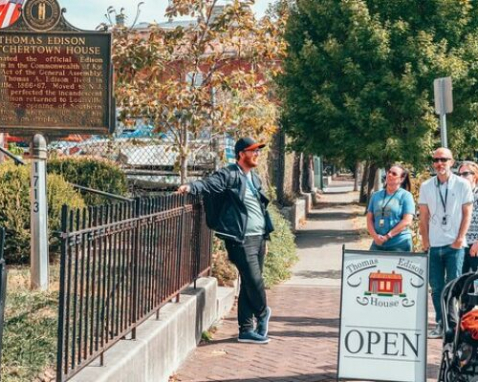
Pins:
x,y
395,207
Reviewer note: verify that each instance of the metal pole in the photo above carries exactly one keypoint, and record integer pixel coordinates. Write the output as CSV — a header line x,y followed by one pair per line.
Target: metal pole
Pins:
x,y
443,133
2,144
39,215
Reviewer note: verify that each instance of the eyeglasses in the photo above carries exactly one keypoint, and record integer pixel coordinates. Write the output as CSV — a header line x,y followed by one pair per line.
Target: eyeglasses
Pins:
x,y
466,173
393,173
442,160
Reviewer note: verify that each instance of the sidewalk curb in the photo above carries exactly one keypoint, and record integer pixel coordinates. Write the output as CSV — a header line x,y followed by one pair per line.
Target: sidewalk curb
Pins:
x,y
161,345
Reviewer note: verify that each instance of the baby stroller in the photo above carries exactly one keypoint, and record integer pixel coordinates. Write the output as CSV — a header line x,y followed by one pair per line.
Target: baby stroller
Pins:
x,y
460,327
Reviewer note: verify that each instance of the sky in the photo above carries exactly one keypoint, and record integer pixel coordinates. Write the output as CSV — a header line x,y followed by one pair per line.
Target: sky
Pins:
x,y
88,14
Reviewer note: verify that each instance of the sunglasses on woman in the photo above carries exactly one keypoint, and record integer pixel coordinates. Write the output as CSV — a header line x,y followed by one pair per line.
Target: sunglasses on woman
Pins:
x,y
466,173
393,173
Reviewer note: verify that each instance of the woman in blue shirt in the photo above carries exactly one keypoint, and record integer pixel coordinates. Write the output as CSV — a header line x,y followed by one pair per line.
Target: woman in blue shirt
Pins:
x,y
390,213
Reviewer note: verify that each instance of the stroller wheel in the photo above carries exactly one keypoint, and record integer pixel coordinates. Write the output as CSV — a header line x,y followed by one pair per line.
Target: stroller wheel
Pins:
x,y
452,375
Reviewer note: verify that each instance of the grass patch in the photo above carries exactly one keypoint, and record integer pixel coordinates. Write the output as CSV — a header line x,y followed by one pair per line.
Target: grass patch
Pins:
x,y
30,331
282,251
222,269
207,335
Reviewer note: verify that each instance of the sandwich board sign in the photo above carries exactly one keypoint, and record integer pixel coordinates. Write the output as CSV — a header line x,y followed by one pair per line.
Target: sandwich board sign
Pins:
x,y
383,316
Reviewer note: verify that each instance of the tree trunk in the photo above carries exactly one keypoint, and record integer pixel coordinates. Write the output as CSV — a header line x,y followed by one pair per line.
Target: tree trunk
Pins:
x,y
357,175
364,184
183,155
308,174
378,184
372,172
368,180
297,174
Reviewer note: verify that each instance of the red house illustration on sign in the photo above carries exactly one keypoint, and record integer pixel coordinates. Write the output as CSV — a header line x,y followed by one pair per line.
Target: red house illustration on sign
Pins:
x,y
385,284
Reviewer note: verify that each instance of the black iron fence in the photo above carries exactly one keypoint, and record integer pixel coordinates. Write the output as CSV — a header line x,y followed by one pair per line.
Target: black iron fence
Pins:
x,y
119,264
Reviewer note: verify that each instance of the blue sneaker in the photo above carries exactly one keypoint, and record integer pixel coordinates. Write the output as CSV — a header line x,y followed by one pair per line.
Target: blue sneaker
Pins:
x,y
252,338
263,323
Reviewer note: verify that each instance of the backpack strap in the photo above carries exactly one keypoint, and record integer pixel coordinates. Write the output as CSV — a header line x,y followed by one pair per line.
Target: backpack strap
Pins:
x,y
233,174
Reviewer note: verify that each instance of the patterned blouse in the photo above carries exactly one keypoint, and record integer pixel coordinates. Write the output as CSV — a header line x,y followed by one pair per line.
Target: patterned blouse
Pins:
x,y
472,234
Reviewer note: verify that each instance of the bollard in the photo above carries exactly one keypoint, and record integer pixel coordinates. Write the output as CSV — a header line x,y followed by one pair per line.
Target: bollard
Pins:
x,y
39,215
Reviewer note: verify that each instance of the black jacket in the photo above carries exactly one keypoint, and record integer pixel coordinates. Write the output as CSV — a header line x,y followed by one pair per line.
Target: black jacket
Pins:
x,y
227,187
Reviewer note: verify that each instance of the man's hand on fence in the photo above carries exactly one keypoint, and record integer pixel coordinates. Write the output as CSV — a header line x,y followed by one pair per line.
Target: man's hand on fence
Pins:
x,y
184,189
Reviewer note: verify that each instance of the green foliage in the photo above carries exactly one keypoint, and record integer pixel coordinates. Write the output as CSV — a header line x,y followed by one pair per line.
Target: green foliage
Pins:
x,y
222,269
211,75
30,330
94,173
281,255
358,78
208,335
15,208
280,258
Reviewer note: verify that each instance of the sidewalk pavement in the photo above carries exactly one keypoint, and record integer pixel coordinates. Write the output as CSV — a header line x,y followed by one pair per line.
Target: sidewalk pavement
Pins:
x,y
305,311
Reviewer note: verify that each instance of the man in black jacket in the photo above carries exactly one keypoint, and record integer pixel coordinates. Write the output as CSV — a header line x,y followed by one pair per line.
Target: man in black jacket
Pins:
x,y
240,218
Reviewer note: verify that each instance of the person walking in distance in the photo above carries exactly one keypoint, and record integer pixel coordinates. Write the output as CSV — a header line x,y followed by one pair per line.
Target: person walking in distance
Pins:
x,y
241,219
445,205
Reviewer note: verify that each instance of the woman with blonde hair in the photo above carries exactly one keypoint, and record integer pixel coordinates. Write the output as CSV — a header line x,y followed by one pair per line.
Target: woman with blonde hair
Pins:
x,y
469,171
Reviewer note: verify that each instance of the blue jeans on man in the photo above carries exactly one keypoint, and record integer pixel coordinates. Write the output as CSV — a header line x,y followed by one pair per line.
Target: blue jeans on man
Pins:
x,y
446,264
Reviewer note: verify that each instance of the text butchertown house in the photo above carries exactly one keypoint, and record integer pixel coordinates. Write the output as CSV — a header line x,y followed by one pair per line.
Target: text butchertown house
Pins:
x,y
46,45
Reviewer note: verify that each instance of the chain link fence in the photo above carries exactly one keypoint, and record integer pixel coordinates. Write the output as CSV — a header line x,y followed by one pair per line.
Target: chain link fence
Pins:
x,y
151,160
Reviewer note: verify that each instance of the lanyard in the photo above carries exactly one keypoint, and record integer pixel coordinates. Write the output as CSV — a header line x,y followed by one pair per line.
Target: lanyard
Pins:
x,y
388,201
443,201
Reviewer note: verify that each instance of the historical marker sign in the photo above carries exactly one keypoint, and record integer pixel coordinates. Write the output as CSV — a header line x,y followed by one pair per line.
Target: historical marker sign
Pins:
x,y
54,78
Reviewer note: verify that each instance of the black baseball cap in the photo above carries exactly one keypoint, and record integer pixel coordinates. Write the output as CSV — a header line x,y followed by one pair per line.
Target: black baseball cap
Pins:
x,y
247,143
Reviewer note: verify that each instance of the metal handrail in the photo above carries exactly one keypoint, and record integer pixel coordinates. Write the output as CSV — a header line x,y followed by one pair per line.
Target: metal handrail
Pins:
x,y
11,156
77,186
102,193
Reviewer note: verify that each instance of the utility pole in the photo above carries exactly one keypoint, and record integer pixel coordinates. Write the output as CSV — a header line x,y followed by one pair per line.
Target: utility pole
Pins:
x,y
443,104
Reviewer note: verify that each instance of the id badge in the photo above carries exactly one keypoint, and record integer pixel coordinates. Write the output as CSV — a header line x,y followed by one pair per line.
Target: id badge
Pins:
x,y
381,223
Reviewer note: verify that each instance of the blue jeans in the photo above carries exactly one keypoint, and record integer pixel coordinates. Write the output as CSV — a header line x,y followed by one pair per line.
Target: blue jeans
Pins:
x,y
446,264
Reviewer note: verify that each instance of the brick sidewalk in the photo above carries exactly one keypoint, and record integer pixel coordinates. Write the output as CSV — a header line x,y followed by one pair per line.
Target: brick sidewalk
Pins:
x,y
304,323
303,347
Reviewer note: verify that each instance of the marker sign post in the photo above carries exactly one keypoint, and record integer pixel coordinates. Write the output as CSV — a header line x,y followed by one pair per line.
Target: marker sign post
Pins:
x,y
443,92
383,317
55,80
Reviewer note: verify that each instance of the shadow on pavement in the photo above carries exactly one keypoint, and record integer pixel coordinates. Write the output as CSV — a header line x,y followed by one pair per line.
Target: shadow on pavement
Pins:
x,y
230,340
329,233
321,205
321,238
300,334
337,216
308,321
319,377
329,274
